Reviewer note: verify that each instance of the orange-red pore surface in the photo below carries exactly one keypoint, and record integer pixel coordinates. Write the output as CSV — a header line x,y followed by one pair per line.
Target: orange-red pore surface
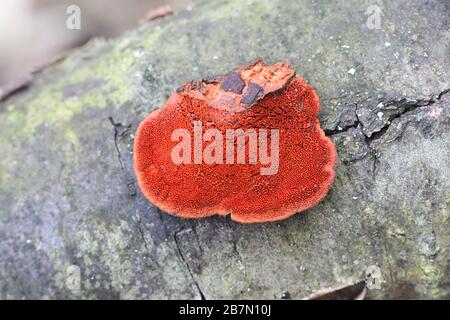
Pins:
x,y
253,96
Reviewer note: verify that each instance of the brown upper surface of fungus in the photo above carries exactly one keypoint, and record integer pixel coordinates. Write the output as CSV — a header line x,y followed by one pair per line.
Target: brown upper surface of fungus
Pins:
x,y
253,96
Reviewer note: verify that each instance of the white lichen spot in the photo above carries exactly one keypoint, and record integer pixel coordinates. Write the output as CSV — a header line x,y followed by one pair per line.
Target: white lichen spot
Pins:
x,y
380,115
420,221
138,53
435,113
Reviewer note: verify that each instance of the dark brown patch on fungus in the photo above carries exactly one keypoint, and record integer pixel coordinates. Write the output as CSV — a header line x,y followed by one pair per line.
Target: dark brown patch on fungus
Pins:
x,y
252,94
225,92
233,82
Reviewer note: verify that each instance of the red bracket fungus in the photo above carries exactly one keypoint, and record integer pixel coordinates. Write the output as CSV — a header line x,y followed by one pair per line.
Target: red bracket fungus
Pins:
x,y
251,97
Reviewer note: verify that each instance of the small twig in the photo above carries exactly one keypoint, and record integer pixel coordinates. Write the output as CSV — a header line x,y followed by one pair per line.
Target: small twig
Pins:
x,y
158,13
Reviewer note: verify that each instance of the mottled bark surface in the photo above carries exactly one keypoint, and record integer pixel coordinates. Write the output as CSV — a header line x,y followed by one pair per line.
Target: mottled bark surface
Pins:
x,y
74,225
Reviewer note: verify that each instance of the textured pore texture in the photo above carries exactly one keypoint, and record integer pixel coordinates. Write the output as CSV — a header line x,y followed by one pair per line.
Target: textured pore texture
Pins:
x,y
252,97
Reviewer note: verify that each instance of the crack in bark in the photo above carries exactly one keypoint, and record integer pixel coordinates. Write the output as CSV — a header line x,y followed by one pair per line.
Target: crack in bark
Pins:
x,y
234,243
408,106
183,259
372,152
161,220
116,145
338,129
119,131
369,138
332,132
194,230
141,232
443,93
